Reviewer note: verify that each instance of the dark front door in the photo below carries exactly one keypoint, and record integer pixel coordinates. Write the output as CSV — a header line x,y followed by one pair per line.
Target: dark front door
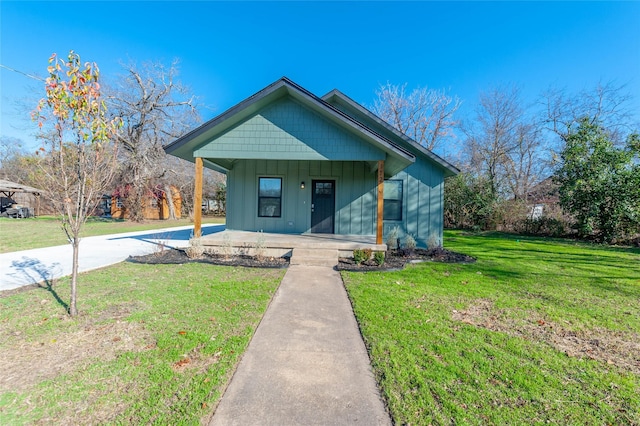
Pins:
x,y
323,206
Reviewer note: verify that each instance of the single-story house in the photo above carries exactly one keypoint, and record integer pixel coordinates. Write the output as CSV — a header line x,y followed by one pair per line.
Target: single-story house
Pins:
x,y
299,163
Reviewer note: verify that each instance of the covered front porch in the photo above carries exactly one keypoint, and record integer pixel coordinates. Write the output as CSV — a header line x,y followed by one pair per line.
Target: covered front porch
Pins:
x,y
232,242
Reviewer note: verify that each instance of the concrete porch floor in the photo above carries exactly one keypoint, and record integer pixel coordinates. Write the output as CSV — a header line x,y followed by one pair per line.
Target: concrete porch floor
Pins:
x,y
245,242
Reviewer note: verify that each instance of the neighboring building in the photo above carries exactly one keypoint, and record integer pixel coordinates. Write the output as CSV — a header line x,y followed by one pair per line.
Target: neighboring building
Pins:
x,y
155,205
543,199
297,163
19,200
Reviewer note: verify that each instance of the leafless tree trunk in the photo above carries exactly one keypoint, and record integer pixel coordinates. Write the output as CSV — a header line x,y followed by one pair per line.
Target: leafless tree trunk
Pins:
x,y
525,164
181,174
155,109
75,180
172,208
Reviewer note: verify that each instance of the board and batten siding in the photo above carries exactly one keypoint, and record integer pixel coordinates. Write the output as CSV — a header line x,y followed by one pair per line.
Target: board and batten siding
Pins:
x,y
355,198
422,204
355,195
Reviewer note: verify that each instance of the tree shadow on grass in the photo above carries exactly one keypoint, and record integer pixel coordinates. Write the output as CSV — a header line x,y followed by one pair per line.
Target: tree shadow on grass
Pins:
x,y
40,274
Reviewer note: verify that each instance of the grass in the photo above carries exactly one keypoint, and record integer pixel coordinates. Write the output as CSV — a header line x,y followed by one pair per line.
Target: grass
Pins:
x,y
45,231
536,331
153,344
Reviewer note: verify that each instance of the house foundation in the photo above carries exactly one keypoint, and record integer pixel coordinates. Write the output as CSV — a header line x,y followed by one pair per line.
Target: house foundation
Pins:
x,y
230,242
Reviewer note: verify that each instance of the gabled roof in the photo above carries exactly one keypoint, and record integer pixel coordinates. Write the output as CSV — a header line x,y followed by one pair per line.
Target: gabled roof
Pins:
x,y
360,113
398,157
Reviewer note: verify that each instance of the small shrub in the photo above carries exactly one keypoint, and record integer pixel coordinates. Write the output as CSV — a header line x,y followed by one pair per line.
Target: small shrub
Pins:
x,y
162,244
434,242
409,246
392,238
410,242
378,257
195,249
260,248
227,247
361,255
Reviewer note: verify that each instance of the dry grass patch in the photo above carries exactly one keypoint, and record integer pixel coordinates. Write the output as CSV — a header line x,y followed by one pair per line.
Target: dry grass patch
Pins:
x,y
619,348
25,363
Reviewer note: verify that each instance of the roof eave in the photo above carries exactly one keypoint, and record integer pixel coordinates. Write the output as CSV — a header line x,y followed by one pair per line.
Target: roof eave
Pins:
x,y
448,168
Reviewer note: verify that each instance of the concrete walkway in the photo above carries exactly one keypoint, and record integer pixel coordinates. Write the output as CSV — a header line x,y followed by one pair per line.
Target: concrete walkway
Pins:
x,y
22,268
307,363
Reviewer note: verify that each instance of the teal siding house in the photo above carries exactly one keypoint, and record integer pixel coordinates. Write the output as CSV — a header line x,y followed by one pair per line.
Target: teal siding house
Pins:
x,y
299,163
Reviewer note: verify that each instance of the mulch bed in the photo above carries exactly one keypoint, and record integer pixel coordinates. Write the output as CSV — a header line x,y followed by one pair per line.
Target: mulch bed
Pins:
x,y
178,256
397,259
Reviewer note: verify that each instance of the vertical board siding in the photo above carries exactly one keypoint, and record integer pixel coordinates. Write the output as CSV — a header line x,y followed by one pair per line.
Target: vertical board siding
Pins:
x,y
422,204
347,191
355,198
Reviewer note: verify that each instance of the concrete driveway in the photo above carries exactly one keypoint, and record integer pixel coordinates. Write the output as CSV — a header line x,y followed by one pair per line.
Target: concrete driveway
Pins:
x,y
27,267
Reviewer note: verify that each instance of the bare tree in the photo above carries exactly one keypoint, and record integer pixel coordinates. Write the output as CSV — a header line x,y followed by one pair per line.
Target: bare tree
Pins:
x,y
503,144
425,115
606,104
493,134
525,165
155,109
12,160
77,159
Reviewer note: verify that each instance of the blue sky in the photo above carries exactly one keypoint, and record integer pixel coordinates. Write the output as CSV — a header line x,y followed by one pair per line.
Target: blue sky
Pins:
x,y
229,51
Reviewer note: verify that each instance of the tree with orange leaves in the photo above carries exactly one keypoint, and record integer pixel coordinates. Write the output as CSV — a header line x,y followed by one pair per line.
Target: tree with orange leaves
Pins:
x,y
77,159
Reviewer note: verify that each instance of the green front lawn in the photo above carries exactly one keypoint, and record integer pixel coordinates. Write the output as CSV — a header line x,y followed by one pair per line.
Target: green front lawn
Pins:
x,y
153,344
45,231
536,331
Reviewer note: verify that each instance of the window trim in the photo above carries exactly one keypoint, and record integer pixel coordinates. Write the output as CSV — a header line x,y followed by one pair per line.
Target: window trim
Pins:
x,y
270,198
400,200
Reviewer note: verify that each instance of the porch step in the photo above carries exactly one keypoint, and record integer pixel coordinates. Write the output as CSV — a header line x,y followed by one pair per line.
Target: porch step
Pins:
x,y
314,257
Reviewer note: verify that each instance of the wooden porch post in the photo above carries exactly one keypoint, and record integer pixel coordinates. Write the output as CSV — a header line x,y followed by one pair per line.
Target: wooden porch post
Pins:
x,y
380,201
197,200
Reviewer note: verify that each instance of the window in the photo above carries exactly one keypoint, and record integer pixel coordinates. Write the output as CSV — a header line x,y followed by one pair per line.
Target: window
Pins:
x,y
324,188
269,197
392,200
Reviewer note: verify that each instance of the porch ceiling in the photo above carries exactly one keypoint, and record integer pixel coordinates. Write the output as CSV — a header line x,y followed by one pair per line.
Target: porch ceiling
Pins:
x,y
223,165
